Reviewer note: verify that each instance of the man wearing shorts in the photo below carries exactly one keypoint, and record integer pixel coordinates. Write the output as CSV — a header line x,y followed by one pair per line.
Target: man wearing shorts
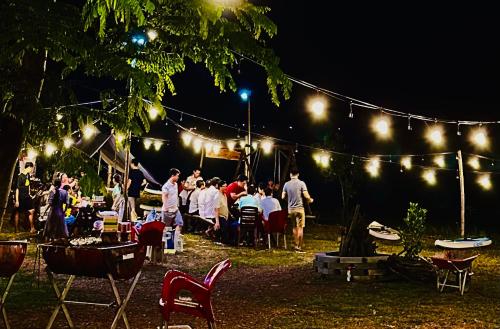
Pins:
x,y
169,196
24,202
293,190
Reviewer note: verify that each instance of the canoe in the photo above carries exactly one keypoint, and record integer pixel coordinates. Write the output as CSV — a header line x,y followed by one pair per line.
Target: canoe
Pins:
x,y
383,232
12,255
463,243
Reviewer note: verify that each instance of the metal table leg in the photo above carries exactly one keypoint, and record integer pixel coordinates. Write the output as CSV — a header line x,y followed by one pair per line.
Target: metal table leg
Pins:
x,y
122,305
61,299
2,301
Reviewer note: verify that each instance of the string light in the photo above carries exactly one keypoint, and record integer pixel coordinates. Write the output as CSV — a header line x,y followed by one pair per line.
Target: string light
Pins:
x,y
439,161
242,144
485,181
409,124
208,147
59,116
474,163
217,147
50,149
67,142
197,144
153,112
88,131
322,159
373,167
381,126
186,138
32,153
317,107
231,145
157,144
351,113
152,34
147,143
429,176
435,136
479,138
406,163
255,145
120,137
267,146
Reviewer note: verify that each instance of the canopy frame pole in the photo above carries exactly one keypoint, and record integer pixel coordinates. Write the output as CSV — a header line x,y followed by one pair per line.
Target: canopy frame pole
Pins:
x,y
462,193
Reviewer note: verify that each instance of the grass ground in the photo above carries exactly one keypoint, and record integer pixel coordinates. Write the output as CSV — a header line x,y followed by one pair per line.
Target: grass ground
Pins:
x,y
274,289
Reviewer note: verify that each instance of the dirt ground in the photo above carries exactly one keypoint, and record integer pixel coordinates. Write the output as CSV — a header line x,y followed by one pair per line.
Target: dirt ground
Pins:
x,y
270,289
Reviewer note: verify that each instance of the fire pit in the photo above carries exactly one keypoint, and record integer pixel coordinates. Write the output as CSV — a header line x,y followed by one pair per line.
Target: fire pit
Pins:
x,y
11,258
113,262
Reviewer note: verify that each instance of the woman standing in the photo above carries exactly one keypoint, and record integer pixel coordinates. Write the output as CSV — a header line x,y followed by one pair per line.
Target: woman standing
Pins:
x,y
56,227
118,197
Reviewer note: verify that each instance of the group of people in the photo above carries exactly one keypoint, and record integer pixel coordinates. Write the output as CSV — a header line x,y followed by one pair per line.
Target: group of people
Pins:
x,y
135,182
217,203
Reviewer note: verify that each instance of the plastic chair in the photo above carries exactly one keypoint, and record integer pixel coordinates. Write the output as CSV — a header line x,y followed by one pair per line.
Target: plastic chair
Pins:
x,y
276,223
249,216
151,234
200,305
462,268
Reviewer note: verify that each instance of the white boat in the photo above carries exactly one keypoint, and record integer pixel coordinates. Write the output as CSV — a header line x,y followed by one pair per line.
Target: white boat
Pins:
x,y
151,191
383,232
463,243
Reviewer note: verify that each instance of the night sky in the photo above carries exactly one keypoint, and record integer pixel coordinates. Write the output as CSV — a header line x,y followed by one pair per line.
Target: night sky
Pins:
x,y
436,61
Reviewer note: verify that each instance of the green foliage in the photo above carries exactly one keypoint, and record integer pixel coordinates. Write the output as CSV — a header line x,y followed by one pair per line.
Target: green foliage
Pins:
x,y
412,231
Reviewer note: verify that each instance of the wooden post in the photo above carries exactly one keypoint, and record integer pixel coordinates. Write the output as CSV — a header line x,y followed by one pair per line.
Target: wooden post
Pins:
x,y
462,193
202,155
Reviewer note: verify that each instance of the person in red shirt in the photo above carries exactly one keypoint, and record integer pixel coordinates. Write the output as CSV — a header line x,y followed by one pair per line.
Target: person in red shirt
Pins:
x,y
236,189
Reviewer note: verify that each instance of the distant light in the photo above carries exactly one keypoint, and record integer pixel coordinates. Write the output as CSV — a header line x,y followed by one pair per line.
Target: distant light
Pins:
x,y
32,153
322,159
186,138
435,136
439,160
139,39
157,144
217,147
474,163
317,107
230,145
373,167
479,138
382,127
119,137
88,131
430,176
147,143
267,146
59,117
485,181
406,163
242,144
152,34
255,145
208,147
50,149
153,112
68,141
197,145
244,94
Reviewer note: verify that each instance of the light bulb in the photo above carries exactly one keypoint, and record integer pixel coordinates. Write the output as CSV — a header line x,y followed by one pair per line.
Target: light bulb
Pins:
x,y
231,145
485,181
208,147
147,143
373,167
68,141
406,163
152,34
267,146
439,160
32,154
255,145
429,176
382,127
435,136
474,163
88,131
217,147
479,138
186,138
59,117
153,112
50,149
157,144
197,145
120,137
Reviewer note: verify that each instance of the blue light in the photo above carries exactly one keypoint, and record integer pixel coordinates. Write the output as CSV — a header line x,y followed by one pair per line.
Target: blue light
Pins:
x,y
244,94
139,39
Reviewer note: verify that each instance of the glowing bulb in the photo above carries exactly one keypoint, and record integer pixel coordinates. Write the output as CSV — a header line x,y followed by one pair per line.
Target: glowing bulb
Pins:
x,y
406,163
429,176
318,107
324,160
382,127
59,117
157,144
50,149
208,147
217,147
88,131
474,163
479,138
242,144
147,143
485,181
435,136
231,145
317,157
153,113
255,145
152,34
32,154
439,160
267,146
119,137
197,144
373,167
186,138
68,141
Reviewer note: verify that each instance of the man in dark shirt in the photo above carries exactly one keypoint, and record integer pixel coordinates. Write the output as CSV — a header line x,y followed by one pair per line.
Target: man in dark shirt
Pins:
x,y
135,181
24,202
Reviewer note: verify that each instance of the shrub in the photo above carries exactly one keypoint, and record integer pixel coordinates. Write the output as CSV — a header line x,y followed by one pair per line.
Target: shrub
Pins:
x,y
412,231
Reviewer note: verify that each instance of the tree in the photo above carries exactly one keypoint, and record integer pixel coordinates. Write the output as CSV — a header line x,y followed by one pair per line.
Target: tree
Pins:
x,y
42,42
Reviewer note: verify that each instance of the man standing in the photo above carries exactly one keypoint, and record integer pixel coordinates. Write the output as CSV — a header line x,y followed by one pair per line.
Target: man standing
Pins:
x,y
135,181
24,201
189,186
236,189
169,196
294,189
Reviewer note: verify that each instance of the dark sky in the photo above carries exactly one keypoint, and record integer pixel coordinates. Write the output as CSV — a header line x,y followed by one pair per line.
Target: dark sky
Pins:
x,y
417,58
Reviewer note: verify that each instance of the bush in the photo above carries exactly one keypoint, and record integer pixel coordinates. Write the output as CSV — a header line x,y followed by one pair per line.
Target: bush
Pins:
x,y
412,231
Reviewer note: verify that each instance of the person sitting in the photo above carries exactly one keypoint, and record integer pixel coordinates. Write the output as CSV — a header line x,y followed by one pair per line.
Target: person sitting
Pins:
x,y
249,200
69,218
194,206
269,203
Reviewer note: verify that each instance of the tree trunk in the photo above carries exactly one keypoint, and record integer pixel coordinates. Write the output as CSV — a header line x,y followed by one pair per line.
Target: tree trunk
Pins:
x,y
11,140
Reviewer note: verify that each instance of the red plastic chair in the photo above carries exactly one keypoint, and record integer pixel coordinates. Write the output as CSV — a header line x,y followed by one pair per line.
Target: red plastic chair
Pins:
x,y
200,304
151,234
276,223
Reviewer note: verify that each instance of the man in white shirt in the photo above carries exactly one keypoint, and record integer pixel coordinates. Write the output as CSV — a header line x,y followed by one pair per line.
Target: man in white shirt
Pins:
x,y
194,207
189,186
269,204
212,203
169,196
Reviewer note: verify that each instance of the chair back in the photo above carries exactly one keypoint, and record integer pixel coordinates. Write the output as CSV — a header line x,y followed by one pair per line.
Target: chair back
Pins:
x,y
151,234
249,216
216,271
277,221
